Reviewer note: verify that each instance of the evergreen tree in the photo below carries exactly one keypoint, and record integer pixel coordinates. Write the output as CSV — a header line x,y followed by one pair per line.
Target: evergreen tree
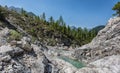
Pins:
x,y
85,33
23,12
37,19
68,31
79,32
6,7
61,21
2,14
64,28
117,8
51,20
43,16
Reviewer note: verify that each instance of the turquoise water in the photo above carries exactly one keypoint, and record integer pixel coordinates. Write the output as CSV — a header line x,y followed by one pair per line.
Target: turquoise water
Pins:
x,y
75,63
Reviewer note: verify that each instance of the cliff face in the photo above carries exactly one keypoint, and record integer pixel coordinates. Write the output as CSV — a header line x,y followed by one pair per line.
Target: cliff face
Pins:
x,y
103,53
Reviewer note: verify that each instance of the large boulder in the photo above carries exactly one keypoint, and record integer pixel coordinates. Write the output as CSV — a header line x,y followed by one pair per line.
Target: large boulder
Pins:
x,y
26,44
9,50
5,49
4,32
8,64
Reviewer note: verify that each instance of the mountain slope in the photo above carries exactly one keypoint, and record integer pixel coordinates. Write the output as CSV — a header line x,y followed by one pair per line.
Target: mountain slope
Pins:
x,y
98,28
49,32
19,10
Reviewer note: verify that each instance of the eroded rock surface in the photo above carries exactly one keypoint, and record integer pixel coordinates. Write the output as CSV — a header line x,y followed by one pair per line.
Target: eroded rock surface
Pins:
x,y
22,56
106,43
106,65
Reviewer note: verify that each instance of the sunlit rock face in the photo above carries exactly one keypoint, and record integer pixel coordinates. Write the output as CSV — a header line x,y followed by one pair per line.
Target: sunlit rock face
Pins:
x,y
17,57
103,53
105,65
106,43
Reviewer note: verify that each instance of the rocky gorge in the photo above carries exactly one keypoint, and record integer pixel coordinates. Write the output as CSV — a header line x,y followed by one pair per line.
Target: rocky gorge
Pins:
x,y
20,53
102,55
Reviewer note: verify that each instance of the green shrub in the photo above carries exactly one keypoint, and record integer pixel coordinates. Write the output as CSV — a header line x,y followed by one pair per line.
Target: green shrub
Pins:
x,y
117,8
52,42
75,63
14,35
33,39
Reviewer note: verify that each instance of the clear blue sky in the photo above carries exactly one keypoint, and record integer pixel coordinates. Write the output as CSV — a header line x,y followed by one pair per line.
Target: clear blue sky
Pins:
x,y
79,13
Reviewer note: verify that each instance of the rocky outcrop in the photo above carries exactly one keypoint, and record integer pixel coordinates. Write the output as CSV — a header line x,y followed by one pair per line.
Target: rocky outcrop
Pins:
x,y
22,56
106,43
3,36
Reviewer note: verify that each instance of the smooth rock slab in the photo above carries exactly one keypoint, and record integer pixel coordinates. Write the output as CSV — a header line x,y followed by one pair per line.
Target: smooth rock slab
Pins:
x,y
109,64
6,49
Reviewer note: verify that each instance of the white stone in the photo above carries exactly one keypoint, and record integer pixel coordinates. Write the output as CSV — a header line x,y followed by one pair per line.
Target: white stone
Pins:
x,y
5,49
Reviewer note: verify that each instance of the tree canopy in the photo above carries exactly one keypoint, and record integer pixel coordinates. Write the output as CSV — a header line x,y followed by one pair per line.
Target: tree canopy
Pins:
x,y
52,31
117,8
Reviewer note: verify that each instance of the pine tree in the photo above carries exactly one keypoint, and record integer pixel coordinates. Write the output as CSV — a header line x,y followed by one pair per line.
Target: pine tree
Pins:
x,y
23,12
6,7
43,16
61,21
117,8
68,30
64,28
37,19
2,14
51,20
